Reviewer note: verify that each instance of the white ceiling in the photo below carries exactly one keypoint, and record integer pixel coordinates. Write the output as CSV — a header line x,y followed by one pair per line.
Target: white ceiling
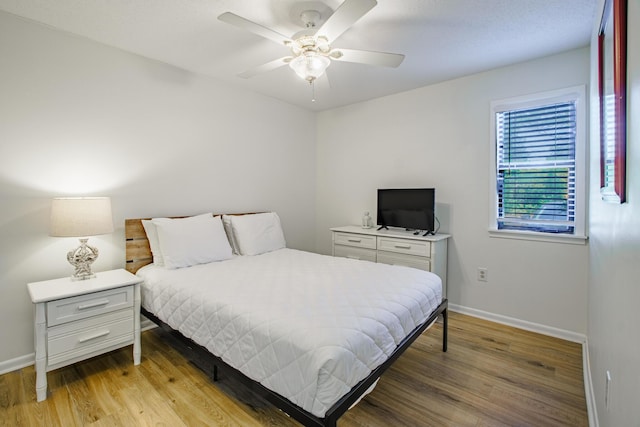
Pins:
x,y
441,39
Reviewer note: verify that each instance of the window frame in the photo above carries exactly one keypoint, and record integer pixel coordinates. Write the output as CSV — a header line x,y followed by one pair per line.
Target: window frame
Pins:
x,y
577,95
612,88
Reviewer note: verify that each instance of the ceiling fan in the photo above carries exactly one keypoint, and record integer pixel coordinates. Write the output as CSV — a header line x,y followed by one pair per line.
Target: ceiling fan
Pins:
x,y
311,49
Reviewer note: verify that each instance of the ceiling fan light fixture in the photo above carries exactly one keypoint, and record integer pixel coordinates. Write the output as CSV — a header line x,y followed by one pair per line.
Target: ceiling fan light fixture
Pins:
x,y
310,65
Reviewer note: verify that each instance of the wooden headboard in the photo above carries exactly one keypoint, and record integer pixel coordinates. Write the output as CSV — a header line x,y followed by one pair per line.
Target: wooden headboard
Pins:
x,y
137,250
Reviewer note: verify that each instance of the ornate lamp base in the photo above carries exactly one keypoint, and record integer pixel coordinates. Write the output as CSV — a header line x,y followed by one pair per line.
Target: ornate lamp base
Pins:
x,y
81,259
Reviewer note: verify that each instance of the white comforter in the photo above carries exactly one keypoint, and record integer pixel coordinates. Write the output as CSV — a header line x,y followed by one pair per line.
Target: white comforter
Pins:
x,y
306,326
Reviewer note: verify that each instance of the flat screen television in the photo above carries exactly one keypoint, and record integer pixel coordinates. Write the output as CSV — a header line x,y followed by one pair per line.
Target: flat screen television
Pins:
x,y
409,208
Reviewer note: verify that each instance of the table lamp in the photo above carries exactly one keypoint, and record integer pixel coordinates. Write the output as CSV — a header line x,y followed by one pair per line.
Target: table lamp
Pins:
x,y
81,217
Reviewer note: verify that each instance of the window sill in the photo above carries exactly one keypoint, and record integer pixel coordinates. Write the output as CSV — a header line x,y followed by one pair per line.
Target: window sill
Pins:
x,y
570,239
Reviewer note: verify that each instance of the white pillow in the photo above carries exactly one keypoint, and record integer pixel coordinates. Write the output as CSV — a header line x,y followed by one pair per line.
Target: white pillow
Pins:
x,y
189,241
257,233
226,221
154,244
152,237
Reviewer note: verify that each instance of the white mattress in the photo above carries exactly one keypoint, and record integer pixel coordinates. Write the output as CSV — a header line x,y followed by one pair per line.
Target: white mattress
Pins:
x,y
306,326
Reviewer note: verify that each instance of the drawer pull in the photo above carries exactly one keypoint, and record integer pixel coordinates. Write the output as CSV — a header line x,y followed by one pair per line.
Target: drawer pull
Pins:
x,y
353,257
94,336
403,246
93,304
354,240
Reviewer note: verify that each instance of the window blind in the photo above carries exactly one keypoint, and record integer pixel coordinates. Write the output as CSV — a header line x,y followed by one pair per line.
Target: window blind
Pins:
x,y
536,176
610,143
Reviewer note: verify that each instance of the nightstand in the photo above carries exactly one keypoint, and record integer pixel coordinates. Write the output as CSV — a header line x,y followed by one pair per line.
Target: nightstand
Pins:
x,y
76,320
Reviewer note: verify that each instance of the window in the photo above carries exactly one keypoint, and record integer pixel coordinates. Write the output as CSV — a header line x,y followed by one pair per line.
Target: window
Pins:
x,y
612,89
538,146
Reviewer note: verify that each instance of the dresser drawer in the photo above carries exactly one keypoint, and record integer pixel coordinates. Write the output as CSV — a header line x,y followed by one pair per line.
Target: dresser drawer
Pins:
x,y
83,306
355,253
404,246
357,240
95,334
414,261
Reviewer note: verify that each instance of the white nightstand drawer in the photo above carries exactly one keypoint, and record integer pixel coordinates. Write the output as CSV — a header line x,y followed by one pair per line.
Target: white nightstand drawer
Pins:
x,y
405,246
414,261
355,253
357,240
76,339
83,306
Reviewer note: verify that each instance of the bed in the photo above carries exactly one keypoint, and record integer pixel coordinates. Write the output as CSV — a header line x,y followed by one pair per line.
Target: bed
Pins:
x,y
309,332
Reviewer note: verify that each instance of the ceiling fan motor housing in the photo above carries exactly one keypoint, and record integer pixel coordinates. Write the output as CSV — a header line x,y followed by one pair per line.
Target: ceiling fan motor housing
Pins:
x,y
310,18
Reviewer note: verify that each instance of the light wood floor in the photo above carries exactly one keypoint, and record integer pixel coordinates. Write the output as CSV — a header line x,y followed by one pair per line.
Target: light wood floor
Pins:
x,y
492,375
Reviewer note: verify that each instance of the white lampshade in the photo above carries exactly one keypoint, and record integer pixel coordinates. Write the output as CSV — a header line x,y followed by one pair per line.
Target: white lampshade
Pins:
x,y
81,216
310,65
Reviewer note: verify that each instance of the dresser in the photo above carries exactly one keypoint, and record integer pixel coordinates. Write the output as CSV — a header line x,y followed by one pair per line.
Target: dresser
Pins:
x,y
76,320
394,246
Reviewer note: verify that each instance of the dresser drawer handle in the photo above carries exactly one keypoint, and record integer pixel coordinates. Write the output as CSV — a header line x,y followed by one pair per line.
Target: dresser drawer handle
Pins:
x,y
93,304
353,257
403,247
94,336
354,240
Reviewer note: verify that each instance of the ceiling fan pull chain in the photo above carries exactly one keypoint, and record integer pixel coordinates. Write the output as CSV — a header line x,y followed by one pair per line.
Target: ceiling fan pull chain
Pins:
x,y
313,90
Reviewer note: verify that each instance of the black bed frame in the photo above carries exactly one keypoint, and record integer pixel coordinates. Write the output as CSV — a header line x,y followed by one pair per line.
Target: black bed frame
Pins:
x,y
203,356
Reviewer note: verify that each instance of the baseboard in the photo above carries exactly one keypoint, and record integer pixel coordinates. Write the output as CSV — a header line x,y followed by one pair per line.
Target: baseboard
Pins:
x,y
521,324
588,386
146,324
17,363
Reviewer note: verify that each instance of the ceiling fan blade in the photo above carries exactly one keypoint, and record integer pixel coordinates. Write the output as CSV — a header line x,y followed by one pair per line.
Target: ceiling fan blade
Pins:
x,y
382,59
271,65
240,22
344,17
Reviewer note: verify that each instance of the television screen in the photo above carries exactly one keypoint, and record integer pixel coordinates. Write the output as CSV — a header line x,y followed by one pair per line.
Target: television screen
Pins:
x,y
410,208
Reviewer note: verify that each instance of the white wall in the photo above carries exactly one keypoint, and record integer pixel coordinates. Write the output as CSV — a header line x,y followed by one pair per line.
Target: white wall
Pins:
x,y
614,285
438,136
80,118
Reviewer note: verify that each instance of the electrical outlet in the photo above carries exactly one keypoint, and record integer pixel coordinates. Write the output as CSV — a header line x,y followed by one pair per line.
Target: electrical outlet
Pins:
x,y
483,274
